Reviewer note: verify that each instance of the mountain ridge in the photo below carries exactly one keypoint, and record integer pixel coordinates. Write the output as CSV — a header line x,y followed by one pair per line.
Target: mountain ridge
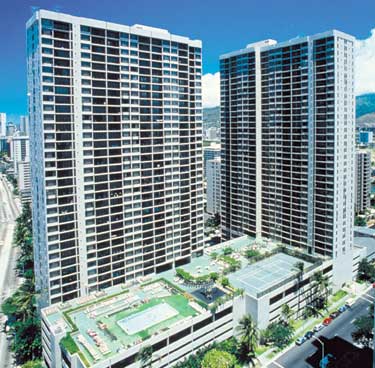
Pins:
x,y
365,113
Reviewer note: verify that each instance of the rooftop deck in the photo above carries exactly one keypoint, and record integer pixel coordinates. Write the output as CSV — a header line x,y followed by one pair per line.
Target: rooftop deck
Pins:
x,y
108,322
102,327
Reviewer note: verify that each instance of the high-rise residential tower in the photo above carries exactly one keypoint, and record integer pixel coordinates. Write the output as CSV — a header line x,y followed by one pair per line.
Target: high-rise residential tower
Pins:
x,y
362,181
213,196
24,125
116,145
287,128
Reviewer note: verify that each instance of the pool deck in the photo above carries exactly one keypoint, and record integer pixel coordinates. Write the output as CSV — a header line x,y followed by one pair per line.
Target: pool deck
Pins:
x,y
99,333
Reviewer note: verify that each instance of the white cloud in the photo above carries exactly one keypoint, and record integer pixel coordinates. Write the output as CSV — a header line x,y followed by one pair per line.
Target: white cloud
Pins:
x,y
211,89
365,65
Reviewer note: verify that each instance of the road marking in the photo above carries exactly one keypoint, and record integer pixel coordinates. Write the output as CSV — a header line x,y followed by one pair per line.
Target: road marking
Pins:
x,y
352,320
367,300
278,364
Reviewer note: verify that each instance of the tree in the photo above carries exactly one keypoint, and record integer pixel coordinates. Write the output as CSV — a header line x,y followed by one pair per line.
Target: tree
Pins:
x,y
214,276
250,253
299,267
320,290
22,316
366,270
225,282
278,334
26,343
360,221
216,220
249,337
145,356
227,251
363,333
286,313
218,359
311,310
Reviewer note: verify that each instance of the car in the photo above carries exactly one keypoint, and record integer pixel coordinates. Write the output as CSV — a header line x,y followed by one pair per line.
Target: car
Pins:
x,y
309,335
327,321
350,302
335,314
301,340
342,309
318,327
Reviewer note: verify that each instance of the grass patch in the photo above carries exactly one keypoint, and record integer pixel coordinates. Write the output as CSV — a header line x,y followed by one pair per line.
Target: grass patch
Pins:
x,y
298,323
69,344
261,349
338,295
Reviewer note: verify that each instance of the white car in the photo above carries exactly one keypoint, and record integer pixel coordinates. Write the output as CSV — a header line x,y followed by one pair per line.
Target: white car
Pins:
x,y
318,327
349,303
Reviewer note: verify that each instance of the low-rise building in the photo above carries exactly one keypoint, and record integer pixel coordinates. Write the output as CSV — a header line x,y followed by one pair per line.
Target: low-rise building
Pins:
x,y
109,328
177,315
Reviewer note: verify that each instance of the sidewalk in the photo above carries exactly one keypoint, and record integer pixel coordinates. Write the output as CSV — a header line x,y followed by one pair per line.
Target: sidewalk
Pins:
x,y
355,290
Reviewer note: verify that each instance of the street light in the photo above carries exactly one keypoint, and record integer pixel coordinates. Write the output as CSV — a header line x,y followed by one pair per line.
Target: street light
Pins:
x,y
321,343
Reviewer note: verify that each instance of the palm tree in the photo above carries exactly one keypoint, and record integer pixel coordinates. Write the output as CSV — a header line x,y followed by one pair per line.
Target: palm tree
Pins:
x,y
249,336
286,313
321,285
145,356
299,267
24,299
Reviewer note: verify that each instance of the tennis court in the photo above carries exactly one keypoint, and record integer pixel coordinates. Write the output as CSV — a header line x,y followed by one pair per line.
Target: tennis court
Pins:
x,y
147,318
260,276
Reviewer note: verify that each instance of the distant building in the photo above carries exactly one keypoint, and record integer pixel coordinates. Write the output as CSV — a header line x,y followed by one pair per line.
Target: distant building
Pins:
x,y
24,182
209,153
20,155
19,149
366,137
3,124
4,146
212,134
10,129
24,125
213,186
362,181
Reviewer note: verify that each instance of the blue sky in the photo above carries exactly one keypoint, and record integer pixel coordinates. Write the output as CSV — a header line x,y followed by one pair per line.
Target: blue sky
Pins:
x,y
222,26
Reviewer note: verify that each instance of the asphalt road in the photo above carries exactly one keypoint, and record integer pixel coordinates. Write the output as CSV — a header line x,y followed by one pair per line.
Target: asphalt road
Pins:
x,y
341,326
9,210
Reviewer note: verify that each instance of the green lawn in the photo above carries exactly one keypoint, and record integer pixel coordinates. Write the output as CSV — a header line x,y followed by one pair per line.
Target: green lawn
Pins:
x,y
338,295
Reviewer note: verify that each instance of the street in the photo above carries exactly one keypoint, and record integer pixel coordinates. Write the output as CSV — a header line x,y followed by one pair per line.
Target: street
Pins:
x,y
342,326
9,210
